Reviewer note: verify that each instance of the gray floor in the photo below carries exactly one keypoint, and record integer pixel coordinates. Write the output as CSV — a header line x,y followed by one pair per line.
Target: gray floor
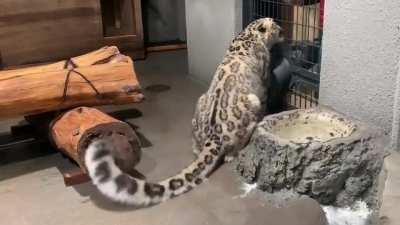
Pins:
x,y
390,207
32,190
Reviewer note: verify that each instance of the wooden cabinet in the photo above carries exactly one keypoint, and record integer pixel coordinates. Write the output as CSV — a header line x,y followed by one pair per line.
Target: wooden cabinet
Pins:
x,y
122,25
35,31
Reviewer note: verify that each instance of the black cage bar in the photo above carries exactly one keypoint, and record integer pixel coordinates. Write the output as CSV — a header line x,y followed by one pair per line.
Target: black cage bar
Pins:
x,y
302,23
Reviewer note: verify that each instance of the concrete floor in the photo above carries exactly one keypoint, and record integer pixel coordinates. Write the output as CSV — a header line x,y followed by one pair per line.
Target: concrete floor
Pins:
x,y
32,190
390,208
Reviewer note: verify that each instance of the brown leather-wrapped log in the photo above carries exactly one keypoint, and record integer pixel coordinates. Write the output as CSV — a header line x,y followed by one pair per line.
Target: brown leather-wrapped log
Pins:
x,y
73,131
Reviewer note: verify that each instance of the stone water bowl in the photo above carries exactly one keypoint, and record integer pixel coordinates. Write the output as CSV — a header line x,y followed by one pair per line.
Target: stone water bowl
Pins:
x,y
316,152
308,126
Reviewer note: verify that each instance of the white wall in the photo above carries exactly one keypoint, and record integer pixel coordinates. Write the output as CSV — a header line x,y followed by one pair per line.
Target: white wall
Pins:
x,y
211,25
361,49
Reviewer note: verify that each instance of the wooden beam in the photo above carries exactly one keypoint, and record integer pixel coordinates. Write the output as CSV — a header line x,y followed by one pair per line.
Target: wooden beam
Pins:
x,y
99,56
37,90
74,177
169,47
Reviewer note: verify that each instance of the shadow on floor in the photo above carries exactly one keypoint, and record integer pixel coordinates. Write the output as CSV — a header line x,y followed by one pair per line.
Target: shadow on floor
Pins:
x,y
89,190
23,154
158,88
126,114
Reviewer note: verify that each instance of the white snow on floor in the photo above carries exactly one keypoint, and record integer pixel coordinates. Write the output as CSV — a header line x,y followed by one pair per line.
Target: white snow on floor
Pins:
x,y
356,215
247,188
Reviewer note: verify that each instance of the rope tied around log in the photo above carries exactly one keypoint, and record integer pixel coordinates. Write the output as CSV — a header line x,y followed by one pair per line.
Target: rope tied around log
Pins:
x,y
70,65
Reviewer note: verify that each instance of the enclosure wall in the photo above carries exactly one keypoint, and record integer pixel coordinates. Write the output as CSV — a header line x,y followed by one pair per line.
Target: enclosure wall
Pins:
x,y
164,20
361,49
211,25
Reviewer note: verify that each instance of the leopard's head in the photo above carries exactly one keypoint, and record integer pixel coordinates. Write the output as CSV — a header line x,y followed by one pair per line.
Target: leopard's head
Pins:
x,y
265,30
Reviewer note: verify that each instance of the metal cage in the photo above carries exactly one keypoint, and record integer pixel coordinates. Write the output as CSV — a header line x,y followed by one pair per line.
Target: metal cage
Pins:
x,y
302,23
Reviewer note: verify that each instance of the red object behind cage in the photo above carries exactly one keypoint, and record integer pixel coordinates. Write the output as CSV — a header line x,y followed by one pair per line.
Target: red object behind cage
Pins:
x,y
321,13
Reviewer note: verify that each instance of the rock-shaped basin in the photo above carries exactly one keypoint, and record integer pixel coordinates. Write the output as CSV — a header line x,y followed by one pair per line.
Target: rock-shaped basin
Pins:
x,y
316,152
305,126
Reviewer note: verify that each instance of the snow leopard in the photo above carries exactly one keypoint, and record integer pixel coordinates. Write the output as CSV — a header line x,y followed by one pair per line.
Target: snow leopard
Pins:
x,y
224,119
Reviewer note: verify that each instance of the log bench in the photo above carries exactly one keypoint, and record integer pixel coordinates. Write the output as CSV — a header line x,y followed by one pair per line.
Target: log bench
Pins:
x,y
47,97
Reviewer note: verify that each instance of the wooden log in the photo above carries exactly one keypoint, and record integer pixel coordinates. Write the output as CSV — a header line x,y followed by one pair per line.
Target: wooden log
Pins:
x,y
23,93
103,55
1,62
76,129
75,176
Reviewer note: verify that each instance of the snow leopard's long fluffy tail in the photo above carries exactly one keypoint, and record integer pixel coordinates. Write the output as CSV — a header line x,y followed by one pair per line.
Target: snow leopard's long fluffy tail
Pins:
x,y
123,188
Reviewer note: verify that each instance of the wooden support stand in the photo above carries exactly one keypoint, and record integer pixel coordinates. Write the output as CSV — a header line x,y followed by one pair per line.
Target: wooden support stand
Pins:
x,y
40,93
73,131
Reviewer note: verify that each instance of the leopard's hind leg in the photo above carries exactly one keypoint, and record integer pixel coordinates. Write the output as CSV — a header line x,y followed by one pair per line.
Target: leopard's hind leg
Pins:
x,y
254,110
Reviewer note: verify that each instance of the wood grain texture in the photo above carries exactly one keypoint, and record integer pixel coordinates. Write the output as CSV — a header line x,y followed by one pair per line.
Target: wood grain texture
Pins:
x,y
27,93
168,47
104,54
45,30
130,39
76,129
75,176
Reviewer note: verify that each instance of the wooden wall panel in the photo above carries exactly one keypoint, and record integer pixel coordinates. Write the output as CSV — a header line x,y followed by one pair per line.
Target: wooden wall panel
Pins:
x,y
34,31
129,37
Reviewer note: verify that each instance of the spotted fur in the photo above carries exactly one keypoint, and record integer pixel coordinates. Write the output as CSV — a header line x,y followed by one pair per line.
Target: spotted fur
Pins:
x,y
224,119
